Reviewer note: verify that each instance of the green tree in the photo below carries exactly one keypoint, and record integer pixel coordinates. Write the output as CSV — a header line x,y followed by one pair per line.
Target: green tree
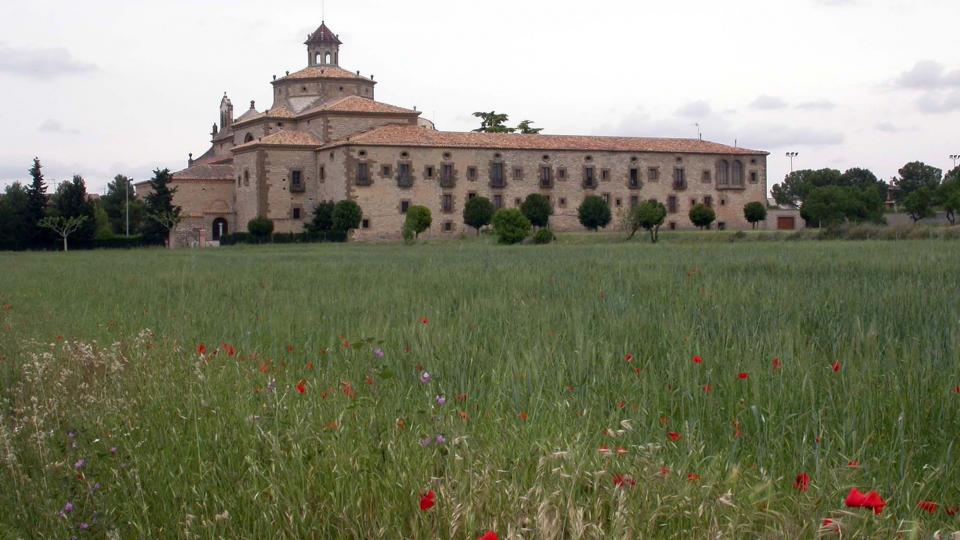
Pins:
x,y
64,226
418,220
346,216
119,192
511,226
864,179
914,176
919,204
103,230
648,215
71,201
478,212
951,204
702,216
594,213
526,128
538,210
260,228
948,195
835,204
162,215
755,212
797,185
36,206
491,122
322,217
15,219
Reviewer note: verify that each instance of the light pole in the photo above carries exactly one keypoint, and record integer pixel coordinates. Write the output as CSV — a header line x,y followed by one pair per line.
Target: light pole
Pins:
x,y
127,197
792,155
955,157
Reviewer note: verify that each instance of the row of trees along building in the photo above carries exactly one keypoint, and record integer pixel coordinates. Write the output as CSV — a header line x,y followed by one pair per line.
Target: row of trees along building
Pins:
x,y
32,218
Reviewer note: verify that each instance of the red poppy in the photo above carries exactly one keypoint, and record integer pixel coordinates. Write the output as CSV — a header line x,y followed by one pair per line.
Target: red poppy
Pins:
x,y
621,451
406,348
489,535
872,500
664,471
461,398
664,420
302,386
229,349
836,367
777,363
692,477
623,481
310,365
743,376
264,367
289,348
827,522
628,357
348,390
736,429
524,416
464,415
952,510
802,483
201,349
697,359
956,389
674,436
621,404
427,501
369,380
637,370
707,388
424,320
929,507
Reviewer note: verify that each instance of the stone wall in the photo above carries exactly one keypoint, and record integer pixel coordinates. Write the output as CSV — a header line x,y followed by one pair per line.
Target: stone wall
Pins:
x,y
270,193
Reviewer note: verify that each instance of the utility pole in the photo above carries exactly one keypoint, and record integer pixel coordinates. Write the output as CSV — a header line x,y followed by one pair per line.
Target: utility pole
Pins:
x,y
127,197
792,155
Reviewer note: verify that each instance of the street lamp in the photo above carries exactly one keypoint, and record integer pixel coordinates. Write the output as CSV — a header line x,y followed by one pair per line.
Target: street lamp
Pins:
x,y
792,155
127,197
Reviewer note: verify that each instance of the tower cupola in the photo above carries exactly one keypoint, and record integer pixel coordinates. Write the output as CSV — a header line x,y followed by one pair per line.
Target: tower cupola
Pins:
x,y
226,112
323,47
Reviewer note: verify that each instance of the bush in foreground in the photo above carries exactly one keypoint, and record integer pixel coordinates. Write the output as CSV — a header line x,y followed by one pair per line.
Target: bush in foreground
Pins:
x,y
543,236
260,228
537,209
702,216
594,213
417,221
511,226
478,212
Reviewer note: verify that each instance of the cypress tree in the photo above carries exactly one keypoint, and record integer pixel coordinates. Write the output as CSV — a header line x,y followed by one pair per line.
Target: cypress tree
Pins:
x,y
159,203
36,207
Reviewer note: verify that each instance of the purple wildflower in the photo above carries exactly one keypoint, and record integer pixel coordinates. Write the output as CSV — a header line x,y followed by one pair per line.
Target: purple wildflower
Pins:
x,y
441,439
80,464
67,508
425,377
426,442
113,450
441,399
378,352
272,385
84,526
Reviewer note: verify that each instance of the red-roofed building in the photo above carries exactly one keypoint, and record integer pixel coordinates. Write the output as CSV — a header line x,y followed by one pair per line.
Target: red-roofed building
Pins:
x,y
325,137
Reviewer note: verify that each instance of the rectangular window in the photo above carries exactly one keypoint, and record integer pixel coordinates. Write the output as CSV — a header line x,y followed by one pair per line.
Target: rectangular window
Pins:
x,y
546,177
653,174
518,173
679,179
471,195
589,180
605,175
496,175
404,175
673,225
634,177
447,226
323,173
498,201
472,174
428,171
634,201
561,173
296,181
447,203
386,171
404,206
706,177
708,201
618,202
517,202
721,226
365,224
606,198
753,177
446,175
563,202
672,204
363,174
296,213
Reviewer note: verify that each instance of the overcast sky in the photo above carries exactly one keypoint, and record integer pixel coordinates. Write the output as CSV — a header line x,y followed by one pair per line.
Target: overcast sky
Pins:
x,y
103,87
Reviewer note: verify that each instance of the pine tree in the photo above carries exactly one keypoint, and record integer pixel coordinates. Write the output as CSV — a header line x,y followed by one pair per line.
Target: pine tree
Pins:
x,y
71,201
36,207
162,215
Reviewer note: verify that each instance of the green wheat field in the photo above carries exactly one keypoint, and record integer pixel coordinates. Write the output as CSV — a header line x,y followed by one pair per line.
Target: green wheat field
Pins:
x,y
576,390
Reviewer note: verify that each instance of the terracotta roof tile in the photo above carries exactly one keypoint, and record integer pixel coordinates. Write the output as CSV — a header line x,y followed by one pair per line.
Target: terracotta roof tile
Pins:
x,y
321,72
397,135
283,138
205,172
357,104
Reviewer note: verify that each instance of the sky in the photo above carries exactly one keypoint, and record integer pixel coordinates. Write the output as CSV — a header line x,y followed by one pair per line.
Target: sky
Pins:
x,y
106,87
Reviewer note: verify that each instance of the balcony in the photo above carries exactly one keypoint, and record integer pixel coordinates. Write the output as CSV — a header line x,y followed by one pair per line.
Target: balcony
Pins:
x,y
589,183
448,182
679,185
405,181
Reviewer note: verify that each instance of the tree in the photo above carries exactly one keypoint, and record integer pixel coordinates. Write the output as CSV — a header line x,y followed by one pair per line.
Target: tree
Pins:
x,y
594,213
702,216
70,201
15,224
36,205
478,212
64,226
864,179
322,217
491,122
951,204
914,176
510,226
103,230
797,185
647,215
163,216
538,210
948,196
346,216
919,204
755,212
260,228
835,204
120,192
418,220
526,129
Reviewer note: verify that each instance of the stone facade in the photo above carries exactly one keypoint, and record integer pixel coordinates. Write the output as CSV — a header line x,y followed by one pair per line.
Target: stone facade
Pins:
x,y
325,138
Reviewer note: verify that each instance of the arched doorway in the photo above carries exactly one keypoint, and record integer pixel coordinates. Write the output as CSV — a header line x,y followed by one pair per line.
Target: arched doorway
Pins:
x,y
219,228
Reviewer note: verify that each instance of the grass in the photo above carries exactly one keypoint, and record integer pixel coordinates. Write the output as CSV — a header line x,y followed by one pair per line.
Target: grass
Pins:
x,y
528,344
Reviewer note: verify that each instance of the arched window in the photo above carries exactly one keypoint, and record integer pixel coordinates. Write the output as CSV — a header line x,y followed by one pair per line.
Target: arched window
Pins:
x,y
327,58
248,138
723,172
219,228
246,178
737,173
317,59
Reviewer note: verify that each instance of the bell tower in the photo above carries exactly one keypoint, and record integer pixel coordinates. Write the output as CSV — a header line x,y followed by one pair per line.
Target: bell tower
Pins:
x,y
226,112
323,47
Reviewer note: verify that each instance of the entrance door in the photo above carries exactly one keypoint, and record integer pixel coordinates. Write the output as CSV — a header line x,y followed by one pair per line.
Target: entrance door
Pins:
x,y
219,228
786,223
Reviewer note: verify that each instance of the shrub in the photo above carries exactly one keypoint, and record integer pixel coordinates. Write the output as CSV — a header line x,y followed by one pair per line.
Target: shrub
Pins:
x,y
346,216
478,212
543,236
648,215
418,220
322,217
537,209
510,226
260,228
594,213
702,216
755,212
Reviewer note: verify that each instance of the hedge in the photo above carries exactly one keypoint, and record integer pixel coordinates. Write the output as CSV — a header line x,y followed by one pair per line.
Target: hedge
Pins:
x,y
284,238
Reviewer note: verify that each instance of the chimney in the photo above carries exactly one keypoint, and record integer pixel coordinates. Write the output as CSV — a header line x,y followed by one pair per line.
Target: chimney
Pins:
x,y
253,104
190,160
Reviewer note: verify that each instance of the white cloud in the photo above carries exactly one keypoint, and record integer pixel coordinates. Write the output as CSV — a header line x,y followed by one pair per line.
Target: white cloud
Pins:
x,y
818,105
768,103
928,75
53,126
939,102
41,63
695,109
